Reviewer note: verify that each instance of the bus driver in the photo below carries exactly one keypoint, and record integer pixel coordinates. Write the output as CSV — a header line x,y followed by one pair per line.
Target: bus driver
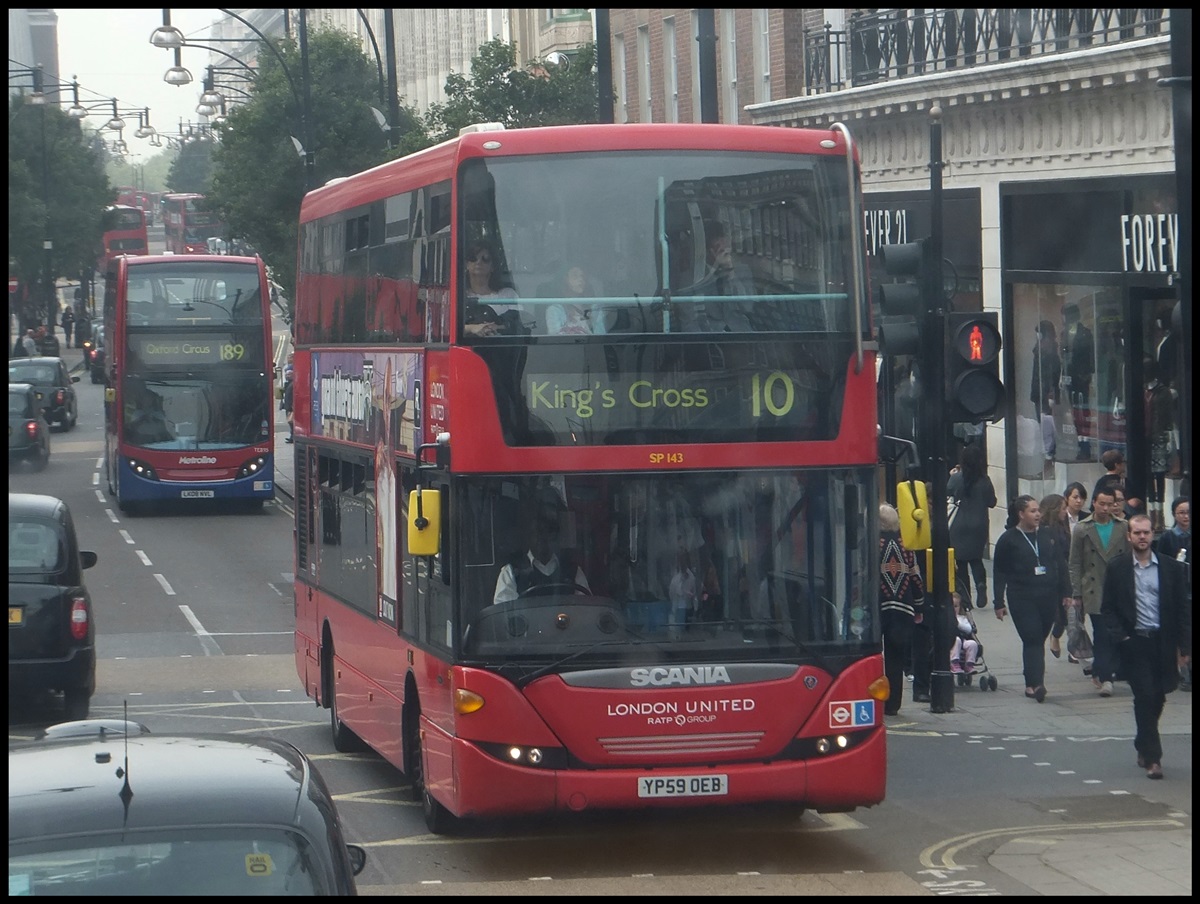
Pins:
x,y
542,565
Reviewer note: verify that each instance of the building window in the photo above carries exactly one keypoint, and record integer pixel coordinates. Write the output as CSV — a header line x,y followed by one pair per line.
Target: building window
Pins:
x,y
645,113
762,56
728,41
622,72
670,71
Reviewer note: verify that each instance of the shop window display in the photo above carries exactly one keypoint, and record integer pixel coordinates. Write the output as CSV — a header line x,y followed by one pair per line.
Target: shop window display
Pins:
x,y
1072,365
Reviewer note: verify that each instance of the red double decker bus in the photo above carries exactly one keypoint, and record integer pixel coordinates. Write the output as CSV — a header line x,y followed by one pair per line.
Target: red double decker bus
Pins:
x,y
188,395
123,232
586,470
132,197
187,224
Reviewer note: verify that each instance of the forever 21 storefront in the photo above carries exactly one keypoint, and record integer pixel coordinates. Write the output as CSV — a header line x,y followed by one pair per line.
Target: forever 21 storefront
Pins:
x,y
1092,334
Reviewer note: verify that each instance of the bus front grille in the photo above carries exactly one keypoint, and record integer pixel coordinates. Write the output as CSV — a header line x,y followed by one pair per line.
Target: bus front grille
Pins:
x,y
673,745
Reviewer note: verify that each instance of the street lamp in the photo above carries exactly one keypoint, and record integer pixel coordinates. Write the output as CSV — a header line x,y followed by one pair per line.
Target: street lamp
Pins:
x,y
167,36
37,97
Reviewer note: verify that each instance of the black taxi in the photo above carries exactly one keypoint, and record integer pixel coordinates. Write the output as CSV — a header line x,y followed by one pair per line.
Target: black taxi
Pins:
x,y
133,812
51,629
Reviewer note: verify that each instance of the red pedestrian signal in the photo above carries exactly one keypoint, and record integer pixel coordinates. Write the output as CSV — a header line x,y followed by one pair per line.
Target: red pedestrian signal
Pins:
x,y
973,388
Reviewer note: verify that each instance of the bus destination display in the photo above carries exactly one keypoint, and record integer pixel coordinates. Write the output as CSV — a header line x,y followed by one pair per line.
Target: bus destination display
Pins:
x,y
191,351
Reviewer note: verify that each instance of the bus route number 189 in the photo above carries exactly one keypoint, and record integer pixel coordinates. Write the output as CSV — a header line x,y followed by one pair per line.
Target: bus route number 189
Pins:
x,y
683,785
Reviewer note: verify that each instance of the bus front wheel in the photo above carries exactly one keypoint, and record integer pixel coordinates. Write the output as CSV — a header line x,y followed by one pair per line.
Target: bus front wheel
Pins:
x,y
438,819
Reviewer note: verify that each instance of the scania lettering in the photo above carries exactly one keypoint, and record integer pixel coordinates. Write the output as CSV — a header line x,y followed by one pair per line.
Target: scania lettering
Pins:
x,y
697,447
686,675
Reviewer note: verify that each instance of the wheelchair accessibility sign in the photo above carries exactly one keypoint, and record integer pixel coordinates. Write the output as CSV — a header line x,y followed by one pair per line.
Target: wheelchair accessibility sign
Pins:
x,y
851,713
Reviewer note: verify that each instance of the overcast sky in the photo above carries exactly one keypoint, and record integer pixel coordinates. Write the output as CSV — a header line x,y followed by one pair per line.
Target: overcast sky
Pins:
x,y
109,52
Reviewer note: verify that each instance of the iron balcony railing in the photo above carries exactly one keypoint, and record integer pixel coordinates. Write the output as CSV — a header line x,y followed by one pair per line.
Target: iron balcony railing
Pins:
x,y
899,43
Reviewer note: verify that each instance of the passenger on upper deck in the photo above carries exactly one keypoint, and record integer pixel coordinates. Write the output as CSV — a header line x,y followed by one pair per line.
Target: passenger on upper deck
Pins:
x,y
722,277
483,315
575,319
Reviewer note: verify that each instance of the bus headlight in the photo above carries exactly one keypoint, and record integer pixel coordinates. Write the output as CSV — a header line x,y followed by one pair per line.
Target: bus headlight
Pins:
x,y
252,467
142,470
520,755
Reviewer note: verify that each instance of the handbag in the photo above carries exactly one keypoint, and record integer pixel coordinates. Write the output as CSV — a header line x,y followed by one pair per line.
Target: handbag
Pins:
x,y
951,510
1079,643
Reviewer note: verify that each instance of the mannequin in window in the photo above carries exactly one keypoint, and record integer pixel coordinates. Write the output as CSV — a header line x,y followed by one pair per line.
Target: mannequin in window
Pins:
x,y
1044,389
1079,365
1161,401
1165,345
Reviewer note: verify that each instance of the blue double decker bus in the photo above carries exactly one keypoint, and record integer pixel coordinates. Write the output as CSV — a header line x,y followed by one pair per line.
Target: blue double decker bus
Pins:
x,y
188,395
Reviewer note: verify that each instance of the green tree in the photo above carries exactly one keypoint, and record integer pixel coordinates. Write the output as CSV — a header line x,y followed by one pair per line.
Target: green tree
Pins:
x,y
192,169
499,91
57,192
259,179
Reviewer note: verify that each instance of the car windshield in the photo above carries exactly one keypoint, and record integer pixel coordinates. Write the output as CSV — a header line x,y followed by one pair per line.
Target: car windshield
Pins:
x,y
228,861
31,373
34,547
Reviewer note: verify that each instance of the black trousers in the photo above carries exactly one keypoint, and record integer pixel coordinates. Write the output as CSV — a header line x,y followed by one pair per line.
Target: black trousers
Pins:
x,y
922,657
897,650
1140,658
1033,618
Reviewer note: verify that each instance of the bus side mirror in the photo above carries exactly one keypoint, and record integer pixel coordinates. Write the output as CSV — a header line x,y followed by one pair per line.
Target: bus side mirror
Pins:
x,y
424,522
916,528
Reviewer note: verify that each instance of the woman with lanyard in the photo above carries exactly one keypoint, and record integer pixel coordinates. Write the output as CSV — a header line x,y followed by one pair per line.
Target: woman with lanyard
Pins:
x,y
1027,563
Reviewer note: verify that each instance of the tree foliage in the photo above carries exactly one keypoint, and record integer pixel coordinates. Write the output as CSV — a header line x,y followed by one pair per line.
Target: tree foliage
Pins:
x,y
259,179
192,168
57,191
499,91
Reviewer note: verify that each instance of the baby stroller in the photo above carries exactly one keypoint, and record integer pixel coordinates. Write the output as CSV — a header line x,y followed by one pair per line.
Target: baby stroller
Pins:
x,y
966,656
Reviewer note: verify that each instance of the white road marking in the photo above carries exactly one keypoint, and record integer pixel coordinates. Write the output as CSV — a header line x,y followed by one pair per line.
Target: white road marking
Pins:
x,y
125,536
145,558
192,620
165,586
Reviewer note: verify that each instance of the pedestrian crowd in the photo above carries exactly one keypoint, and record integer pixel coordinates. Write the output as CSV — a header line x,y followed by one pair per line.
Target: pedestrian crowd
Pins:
x,y
1120,596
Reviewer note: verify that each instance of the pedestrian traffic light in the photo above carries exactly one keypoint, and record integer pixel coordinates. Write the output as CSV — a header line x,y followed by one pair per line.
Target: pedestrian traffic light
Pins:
x,y
902,304
973,388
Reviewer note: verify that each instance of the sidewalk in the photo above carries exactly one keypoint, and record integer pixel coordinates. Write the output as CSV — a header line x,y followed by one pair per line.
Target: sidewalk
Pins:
x,y
1072,707
1150,861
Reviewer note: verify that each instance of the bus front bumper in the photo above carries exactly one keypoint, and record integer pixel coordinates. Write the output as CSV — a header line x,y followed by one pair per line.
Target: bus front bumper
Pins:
x,y
487,786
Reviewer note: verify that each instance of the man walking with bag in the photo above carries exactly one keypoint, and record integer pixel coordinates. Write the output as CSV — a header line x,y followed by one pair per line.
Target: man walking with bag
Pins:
x,y
1146,616
1095,542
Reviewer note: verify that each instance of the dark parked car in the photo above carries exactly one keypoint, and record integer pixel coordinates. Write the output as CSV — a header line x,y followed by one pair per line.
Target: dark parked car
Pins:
x,y
51,632
54,383
93,354
28,432
111,812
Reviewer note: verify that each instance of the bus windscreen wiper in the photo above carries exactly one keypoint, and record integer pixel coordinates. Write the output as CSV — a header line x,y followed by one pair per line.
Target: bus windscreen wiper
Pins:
x,y
558,663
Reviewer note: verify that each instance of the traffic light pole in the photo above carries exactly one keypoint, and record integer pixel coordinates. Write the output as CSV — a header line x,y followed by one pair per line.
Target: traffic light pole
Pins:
x,y
933,420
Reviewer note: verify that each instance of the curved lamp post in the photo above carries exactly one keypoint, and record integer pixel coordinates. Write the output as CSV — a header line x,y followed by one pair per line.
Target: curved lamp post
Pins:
x,y
168,36
39,90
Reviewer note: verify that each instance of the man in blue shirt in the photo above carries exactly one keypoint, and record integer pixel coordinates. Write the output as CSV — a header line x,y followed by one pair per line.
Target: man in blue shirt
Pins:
x,y
1145,611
